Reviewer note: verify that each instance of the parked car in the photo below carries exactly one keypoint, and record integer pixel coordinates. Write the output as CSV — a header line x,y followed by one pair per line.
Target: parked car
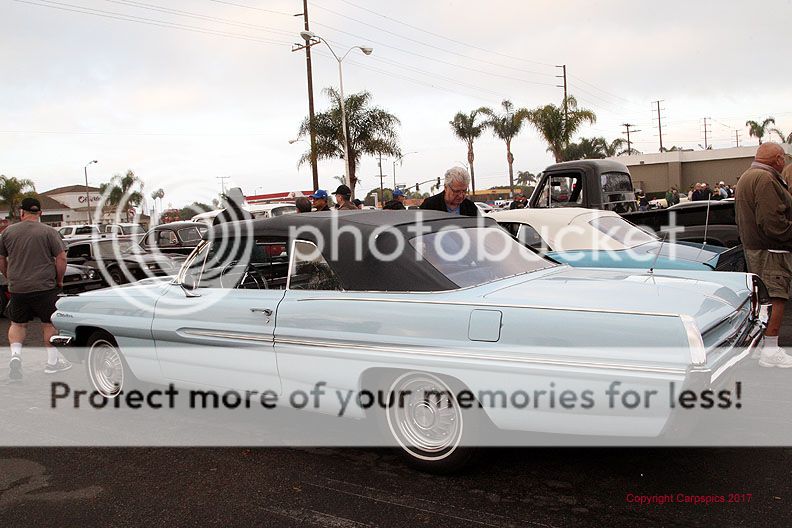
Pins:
x,y
175,237
119,261
484,208
74,232
77,279
594,238
125,230
268,210
418,323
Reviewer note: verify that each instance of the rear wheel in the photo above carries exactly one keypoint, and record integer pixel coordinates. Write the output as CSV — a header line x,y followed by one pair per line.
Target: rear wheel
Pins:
x,y
428,423
106,367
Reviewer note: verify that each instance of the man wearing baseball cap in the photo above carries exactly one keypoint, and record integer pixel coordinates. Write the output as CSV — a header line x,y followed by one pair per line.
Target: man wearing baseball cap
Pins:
x,y
397,204
342,196
320,200
33,259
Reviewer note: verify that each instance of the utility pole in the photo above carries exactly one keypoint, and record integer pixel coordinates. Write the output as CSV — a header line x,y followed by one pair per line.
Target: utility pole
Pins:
x,y
629,144
659,123
382,190
706,142
564,86
311,119
737,137
222,182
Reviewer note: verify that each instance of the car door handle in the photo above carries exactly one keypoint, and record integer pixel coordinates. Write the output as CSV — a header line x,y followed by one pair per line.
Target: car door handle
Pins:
x,y
265,311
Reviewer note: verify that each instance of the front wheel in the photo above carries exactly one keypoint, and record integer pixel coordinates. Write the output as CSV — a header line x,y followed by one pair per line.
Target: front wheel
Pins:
x,y
428,423
106,367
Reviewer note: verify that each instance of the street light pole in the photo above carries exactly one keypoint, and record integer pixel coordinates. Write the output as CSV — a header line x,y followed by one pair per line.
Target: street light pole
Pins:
x,y
394,165
88,196
311,39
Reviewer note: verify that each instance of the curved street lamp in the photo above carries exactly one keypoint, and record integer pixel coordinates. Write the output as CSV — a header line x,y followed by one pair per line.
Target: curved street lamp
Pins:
x,y
312,38
87,196
398,160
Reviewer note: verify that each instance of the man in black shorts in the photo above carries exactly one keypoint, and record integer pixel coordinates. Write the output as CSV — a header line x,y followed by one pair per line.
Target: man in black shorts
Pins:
x,y
33,259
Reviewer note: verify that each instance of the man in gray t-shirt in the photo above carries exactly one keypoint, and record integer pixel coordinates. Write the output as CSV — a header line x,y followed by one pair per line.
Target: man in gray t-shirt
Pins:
x,y
33,259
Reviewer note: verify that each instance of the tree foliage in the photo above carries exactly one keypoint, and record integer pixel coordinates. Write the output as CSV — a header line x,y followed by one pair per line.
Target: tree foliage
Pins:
x,y
126,190
759,130
371,131
505,126
13,191
555,129
468,127
594,148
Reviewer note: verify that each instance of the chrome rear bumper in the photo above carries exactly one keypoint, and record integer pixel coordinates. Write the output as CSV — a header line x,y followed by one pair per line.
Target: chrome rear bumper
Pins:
x,y
60,340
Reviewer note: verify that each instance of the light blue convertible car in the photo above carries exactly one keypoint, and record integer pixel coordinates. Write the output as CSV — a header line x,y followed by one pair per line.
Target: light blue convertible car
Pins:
x,y
417,303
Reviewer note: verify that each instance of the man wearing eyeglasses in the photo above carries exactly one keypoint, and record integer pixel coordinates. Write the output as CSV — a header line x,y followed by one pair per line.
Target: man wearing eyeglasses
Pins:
x,y
453,199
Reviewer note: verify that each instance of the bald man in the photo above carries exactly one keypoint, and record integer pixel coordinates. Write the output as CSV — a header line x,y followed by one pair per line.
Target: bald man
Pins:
x,y
763,206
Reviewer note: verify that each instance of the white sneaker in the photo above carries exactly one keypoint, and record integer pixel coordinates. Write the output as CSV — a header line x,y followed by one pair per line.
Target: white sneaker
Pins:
x,y
779,359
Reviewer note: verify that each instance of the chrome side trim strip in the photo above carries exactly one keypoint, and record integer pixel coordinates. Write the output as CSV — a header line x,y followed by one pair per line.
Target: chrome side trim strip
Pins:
x,y
491,305
425,352
259,338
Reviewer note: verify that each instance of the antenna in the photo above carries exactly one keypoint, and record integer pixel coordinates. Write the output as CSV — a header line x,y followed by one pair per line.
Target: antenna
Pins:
x,y
706,228
657,256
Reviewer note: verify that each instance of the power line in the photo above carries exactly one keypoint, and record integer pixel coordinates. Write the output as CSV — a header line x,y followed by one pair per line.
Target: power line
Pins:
x,y
434,47
449,39
142,20
188,14
427,57
251,7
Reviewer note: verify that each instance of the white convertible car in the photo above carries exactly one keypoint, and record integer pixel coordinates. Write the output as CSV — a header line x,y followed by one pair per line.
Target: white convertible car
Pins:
x,y
415,303
594,238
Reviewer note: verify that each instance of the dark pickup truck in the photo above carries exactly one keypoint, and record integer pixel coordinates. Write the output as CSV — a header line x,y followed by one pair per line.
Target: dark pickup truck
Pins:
x,y
607,184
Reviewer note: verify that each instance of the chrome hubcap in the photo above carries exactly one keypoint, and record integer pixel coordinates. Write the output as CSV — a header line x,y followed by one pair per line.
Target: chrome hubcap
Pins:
x,y
105,368
429,424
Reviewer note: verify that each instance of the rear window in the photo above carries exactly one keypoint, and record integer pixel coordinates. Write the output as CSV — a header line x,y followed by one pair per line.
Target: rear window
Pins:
x,y
468,257
192,234
287,209
622,231
86,230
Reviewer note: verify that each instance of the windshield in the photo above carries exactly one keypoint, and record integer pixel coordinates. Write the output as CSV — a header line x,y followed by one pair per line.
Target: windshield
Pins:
x,y
468,257
622,231
90,230
133,230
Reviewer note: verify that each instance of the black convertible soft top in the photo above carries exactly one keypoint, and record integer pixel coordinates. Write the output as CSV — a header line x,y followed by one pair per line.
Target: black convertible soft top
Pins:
x,y
336,235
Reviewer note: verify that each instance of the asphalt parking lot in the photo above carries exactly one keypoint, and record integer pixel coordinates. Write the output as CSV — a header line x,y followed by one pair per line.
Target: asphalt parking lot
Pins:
x,y
344,487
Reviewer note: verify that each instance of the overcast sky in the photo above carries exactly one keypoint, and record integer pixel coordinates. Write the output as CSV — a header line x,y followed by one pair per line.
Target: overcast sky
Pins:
x,y
184,91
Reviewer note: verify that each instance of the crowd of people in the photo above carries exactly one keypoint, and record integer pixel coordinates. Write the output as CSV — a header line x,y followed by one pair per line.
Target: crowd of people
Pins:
x,y
702,191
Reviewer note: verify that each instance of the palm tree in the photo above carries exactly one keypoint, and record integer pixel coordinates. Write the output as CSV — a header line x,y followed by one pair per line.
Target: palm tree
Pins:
x,y
159,193
593,148
784,138
13,191
506,126
557,128
467,129
759,130
525,178
370,129
119,186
